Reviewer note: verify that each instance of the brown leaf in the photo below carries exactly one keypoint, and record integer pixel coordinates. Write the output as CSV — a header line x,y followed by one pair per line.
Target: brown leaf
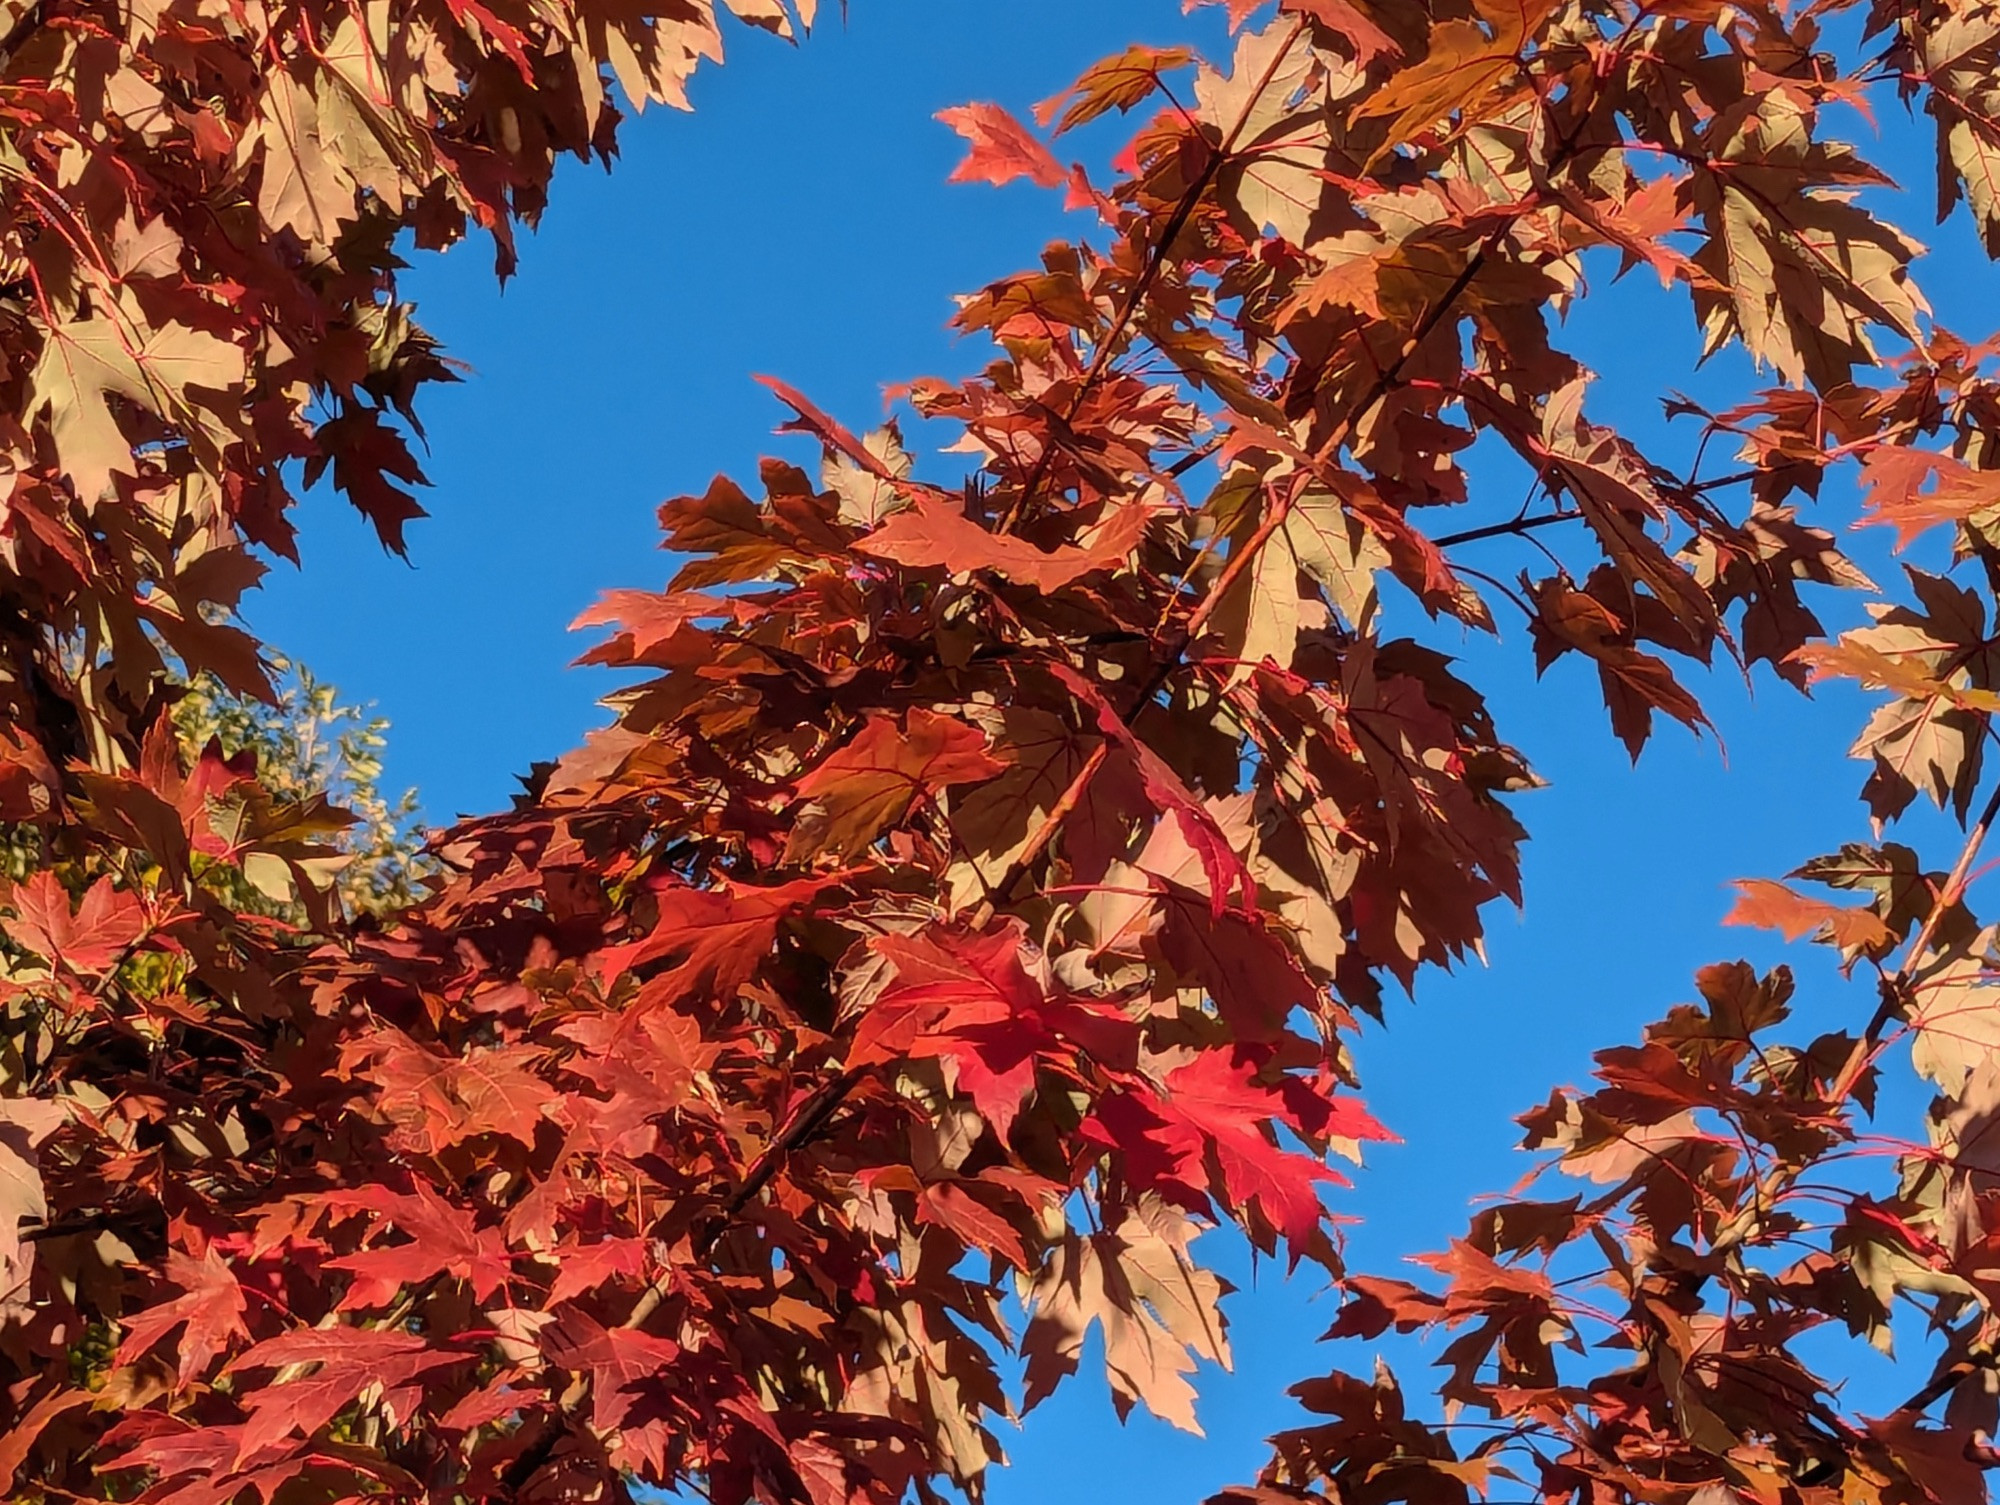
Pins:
x,y
1115,83
1911,490
1464,63
1776,907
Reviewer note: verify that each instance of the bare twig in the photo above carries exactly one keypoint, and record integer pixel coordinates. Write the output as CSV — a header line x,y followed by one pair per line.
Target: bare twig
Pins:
x,y
1512,527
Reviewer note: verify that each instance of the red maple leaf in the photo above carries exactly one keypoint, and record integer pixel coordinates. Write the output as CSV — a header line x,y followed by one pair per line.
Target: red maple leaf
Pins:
x,y
210,1308
438,1101
620,1361
718,937
345,1361
1002,148
91,940
933,533
871,783
442,1241
967,999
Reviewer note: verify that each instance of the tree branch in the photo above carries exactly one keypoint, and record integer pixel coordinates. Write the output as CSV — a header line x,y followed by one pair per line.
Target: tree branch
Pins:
x,y
1156,258
1896,985
1515,527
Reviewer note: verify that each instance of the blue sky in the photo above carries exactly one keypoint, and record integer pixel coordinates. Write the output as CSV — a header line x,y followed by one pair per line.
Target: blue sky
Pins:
x,y
799,224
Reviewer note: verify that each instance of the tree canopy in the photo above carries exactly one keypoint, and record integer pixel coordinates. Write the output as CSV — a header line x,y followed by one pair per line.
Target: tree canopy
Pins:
x,y
978,891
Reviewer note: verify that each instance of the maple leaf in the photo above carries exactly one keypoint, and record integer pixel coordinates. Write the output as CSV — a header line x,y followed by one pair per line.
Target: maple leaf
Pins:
x,y
1266,71
872,782
1935,656
834,438
107,922
442,1238
931,533
1858,658
1115,83
1002,149
1240,961
1955,1018
1350,277
367,459
1227,877
1356,20
586,1267
1761,564
1257,621
725,525
342,1362
1159,1313
1214,1104
1957,49
867,497
209,1311
649,1060
1795,269
1635,683
19,1440
436,1102
1615,491
644,620
86,365
966,1000
25,1122
1124,909
717,937
1913,489
1269,178
621,1362
1337,551
954,1205
996,819
1776,907
1901,893
1462,65
1639,224
300,186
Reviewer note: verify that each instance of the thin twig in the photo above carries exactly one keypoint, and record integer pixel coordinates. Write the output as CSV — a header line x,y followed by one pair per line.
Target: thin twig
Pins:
x,y
1514,526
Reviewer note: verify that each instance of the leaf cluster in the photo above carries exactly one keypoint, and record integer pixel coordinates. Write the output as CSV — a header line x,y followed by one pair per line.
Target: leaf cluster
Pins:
x,y
978,890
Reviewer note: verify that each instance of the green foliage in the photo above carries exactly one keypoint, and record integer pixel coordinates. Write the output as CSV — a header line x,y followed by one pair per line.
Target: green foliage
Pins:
x,y
307,743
